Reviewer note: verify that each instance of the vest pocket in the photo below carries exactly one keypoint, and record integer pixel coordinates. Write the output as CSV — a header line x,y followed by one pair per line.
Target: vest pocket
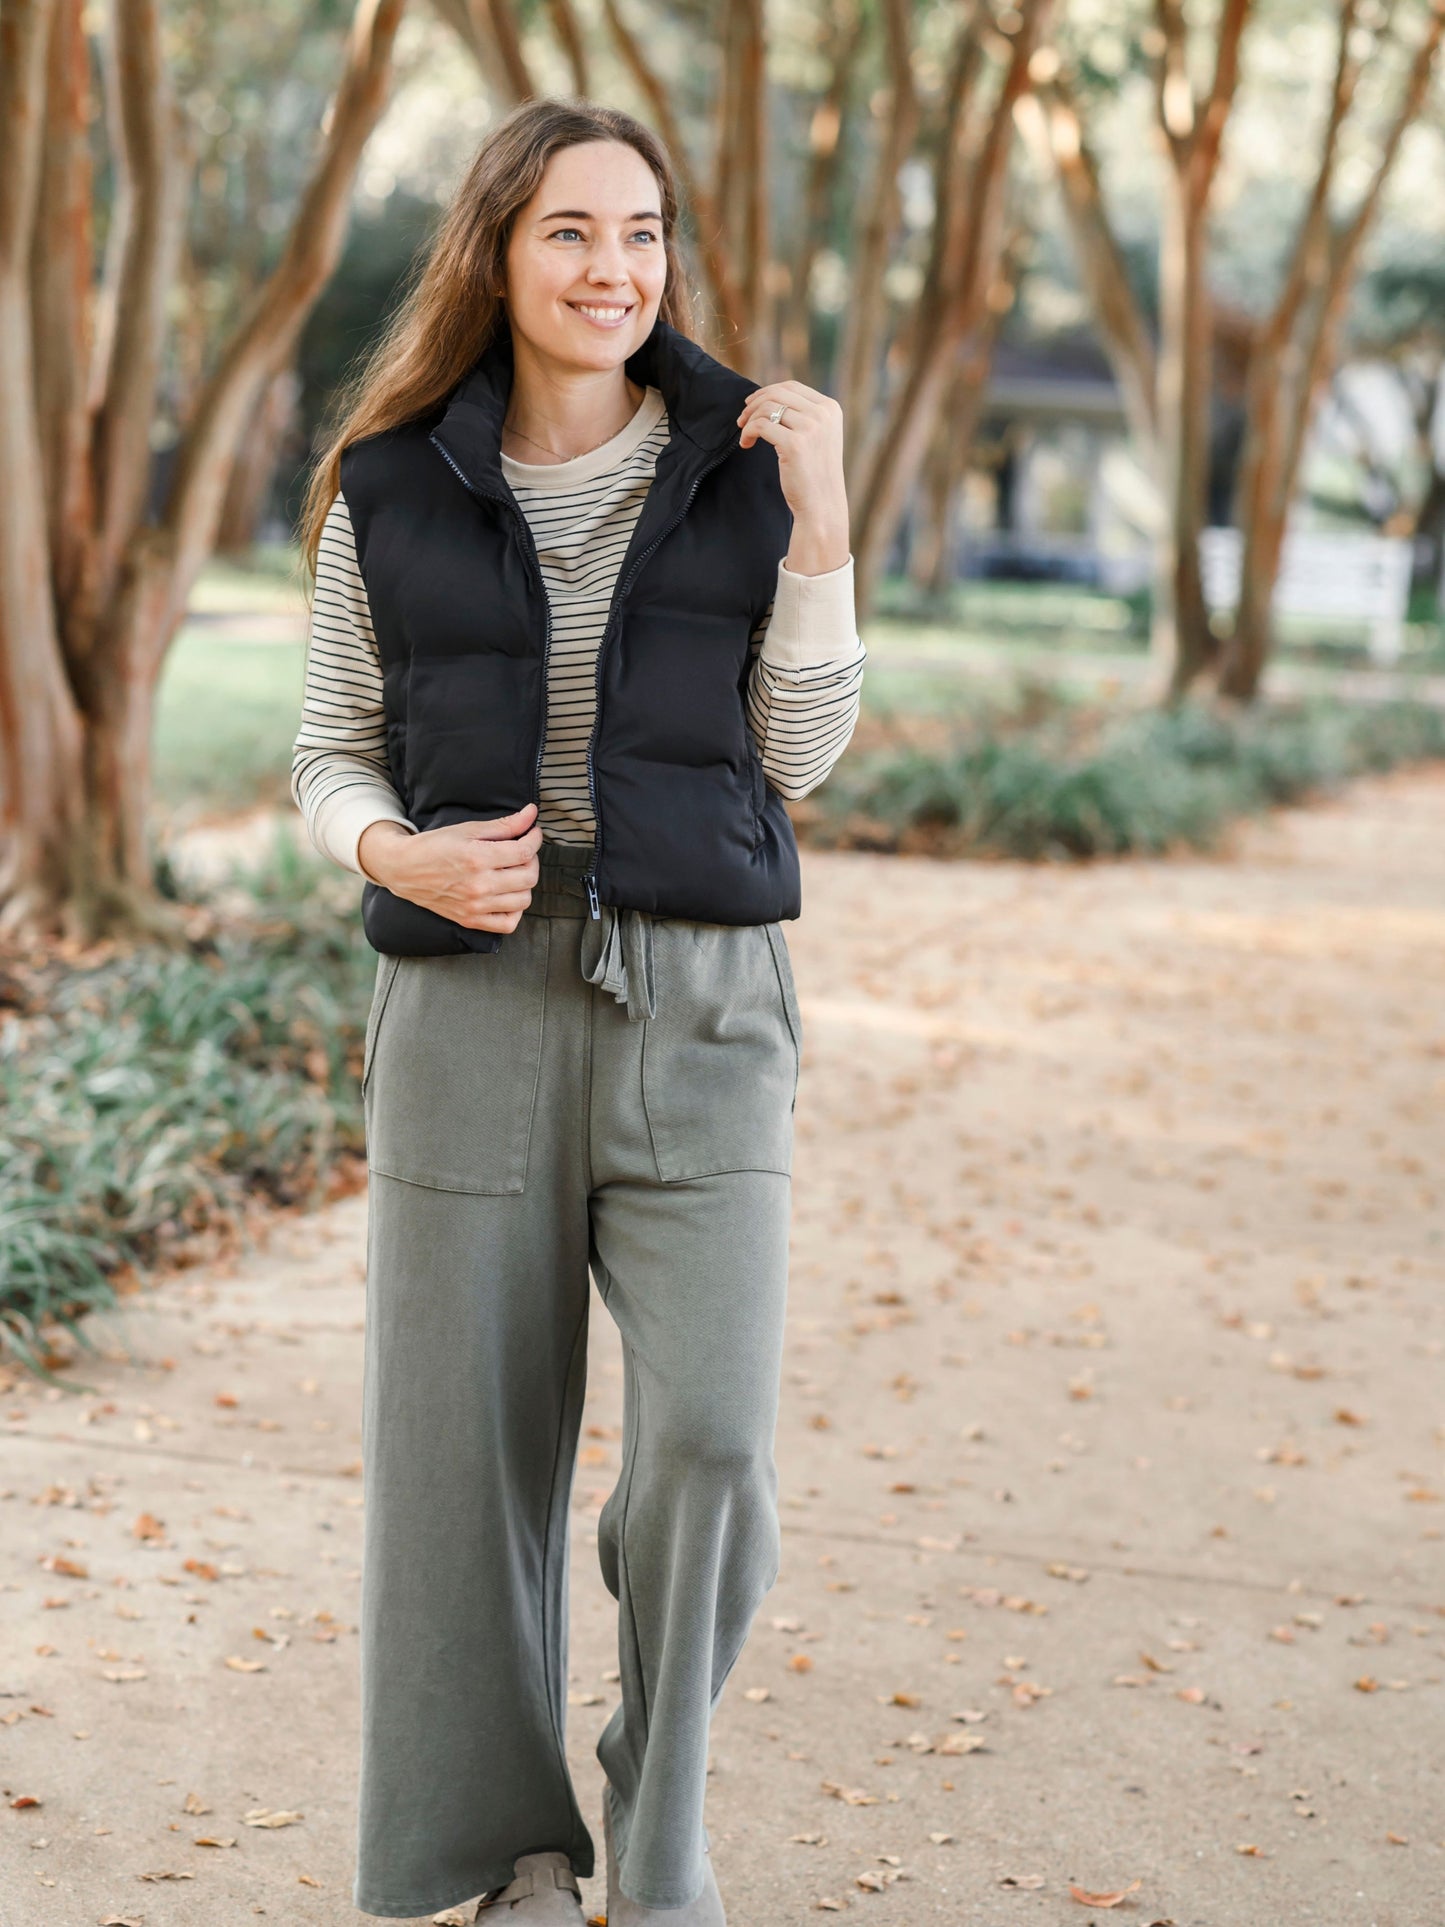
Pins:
x,y
720,1059
453,1062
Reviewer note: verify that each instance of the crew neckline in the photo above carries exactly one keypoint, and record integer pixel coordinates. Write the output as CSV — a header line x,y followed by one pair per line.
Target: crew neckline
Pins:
x,y
597,461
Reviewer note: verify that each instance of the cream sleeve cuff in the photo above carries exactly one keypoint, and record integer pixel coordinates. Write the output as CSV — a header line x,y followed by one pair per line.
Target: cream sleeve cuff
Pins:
x,y
813,619
342,820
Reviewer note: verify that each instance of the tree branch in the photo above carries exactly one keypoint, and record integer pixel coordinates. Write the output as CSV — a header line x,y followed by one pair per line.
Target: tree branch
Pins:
x,y
1344,254
488,31
146,165
266,332
60,289
572,41
868,302
707,219
1308,258
1051,122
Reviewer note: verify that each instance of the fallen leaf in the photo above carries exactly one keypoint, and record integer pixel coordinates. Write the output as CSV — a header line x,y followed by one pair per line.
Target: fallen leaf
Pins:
x,y
1021,1880
148,1526
955,1743
800,1663
265,1817
210,1840
167,1875
69,1568
25,1800
1087,1899
757,1694
941,1839
809,1839
245,1665
120,1673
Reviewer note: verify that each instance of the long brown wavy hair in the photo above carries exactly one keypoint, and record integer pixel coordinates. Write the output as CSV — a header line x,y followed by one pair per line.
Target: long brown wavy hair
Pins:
x,y
453,304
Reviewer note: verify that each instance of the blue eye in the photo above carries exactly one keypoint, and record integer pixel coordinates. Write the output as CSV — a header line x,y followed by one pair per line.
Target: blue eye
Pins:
x,y
558,233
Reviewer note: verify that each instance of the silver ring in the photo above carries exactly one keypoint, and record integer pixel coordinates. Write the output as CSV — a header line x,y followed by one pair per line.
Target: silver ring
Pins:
x,y
776,414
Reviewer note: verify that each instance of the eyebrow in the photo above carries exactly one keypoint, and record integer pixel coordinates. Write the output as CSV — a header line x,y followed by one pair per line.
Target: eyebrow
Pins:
x,y
581,214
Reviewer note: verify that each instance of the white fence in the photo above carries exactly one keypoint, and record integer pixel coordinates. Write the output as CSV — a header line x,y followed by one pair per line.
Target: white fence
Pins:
x,y
1345,575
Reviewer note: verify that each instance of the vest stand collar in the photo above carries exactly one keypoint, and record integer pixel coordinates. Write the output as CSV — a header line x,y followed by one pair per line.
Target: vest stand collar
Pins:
x,y
703,398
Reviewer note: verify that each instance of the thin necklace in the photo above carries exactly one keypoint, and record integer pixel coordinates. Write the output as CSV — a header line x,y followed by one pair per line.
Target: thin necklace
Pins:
x,y
557,452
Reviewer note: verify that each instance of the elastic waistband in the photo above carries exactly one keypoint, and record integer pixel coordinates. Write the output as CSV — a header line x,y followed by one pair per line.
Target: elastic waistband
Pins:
x,y
559,890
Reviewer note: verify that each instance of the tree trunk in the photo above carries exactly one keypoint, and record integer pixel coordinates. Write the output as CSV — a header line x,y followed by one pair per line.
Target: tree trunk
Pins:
x,y
255,465
931,558
867,305
39,729
1183,644
965,278
91,590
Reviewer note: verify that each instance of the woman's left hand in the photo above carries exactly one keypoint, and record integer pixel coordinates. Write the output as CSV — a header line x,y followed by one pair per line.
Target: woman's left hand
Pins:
x,y
809,441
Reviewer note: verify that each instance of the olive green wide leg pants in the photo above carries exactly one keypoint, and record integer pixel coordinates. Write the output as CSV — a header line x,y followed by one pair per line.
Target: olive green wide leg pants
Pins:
x,y
527,1120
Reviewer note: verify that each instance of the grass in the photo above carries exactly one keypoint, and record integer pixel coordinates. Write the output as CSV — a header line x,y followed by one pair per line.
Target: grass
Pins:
x,y
152,1100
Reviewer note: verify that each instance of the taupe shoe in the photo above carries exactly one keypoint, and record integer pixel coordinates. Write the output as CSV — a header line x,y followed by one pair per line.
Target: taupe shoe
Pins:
x,y
543,1894
705,1911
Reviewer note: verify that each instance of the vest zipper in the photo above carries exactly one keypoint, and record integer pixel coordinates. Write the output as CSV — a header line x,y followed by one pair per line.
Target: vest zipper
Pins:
x,y
534,561
618,593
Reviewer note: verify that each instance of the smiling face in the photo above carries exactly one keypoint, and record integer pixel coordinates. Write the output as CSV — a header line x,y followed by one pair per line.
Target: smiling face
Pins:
x,y
586,261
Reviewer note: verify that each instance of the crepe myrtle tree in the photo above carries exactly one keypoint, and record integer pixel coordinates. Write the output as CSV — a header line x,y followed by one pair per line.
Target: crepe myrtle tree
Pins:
x,y
94,570
1294,342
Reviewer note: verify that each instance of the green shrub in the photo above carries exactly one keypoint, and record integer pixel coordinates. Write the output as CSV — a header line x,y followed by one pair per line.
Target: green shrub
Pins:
x,y
149,1099
1080,785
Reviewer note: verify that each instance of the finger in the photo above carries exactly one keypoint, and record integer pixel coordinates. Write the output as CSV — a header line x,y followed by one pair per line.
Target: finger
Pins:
x,y
509,860
497,827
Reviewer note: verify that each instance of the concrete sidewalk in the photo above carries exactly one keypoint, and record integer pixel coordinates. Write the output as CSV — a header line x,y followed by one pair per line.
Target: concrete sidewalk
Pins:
x,y
1110,1454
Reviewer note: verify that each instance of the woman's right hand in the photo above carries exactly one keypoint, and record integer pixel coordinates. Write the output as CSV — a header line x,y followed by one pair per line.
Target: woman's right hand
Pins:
x,y
479,874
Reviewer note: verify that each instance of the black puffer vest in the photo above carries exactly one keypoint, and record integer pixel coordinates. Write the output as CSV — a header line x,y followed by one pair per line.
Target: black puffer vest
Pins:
x,y
687,824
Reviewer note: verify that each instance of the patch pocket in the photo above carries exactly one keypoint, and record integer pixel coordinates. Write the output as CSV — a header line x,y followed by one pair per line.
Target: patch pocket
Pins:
x,y
720,1059
453,1065
385,973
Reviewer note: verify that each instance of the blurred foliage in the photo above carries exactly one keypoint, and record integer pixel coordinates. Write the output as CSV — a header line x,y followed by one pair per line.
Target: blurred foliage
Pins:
x,y
149,1101
1054,778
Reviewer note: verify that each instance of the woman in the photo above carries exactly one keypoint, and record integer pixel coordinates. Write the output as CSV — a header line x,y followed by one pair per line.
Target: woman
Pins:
x,y
583,619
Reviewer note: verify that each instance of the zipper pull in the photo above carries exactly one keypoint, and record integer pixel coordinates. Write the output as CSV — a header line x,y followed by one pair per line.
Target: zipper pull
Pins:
x,y
592,894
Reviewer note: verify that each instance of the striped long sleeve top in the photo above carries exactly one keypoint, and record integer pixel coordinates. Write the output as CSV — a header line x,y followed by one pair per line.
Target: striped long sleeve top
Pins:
x,y
804,679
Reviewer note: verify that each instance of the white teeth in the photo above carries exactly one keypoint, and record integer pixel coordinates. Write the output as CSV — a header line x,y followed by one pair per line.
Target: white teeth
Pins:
x,y
600,314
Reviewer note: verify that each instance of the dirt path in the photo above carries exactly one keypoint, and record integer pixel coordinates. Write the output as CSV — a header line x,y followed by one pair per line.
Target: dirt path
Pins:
x,y
1112,1440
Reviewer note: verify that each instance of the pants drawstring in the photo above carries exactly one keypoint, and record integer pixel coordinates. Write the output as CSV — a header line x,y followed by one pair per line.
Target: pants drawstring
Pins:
x,y
617,955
